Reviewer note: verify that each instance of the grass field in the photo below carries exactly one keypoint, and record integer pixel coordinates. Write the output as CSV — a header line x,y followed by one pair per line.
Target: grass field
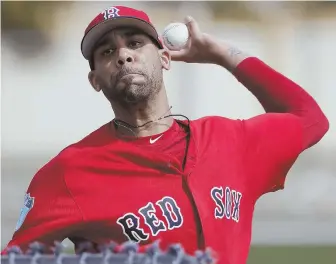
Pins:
x,y
292,255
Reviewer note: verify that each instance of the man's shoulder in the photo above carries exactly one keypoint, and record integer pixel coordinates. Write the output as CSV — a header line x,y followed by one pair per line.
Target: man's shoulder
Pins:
x,y
96,138
217,127
212,132
208,122
93,141
54,170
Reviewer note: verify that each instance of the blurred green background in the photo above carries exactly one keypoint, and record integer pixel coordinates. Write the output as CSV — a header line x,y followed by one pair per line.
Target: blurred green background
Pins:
x,y
292,255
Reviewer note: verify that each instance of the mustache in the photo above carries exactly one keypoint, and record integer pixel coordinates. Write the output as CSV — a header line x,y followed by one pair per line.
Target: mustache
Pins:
x,y
125,71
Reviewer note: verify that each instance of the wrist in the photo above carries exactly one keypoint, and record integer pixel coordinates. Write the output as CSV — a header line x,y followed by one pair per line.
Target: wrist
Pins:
x,y
225,55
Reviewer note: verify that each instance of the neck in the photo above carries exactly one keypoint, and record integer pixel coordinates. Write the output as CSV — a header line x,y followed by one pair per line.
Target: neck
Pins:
x,y
139,114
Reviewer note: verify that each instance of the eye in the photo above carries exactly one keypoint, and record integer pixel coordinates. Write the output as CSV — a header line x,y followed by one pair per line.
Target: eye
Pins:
x,y
108,52
134,44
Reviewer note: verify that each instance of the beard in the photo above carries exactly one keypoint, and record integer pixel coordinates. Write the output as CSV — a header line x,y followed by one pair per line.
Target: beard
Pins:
x,y
132,86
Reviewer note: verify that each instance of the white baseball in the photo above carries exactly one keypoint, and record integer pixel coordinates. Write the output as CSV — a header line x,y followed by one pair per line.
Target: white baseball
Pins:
x,y
175,36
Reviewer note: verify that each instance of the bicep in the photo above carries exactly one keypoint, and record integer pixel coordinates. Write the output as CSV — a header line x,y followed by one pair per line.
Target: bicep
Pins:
x,y
273,143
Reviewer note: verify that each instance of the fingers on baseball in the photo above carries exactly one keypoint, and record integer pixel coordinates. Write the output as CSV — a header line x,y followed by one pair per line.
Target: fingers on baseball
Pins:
x,y
194,32
193,27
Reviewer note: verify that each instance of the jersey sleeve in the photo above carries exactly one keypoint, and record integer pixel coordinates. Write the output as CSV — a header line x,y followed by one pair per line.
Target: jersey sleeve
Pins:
x,y
49,212
273,143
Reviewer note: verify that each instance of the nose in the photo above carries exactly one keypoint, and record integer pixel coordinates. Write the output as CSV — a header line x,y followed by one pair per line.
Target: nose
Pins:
x,y
124,57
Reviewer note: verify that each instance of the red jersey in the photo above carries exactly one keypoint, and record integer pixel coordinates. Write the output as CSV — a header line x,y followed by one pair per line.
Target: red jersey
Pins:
x,y
104,188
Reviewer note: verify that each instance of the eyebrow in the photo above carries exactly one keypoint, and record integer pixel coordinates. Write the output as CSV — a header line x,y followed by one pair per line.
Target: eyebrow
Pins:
x,y
102,42
129,33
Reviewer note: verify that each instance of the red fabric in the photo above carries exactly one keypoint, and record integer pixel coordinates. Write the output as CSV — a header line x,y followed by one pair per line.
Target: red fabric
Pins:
x,y
293,123
118,11
86,190
278,94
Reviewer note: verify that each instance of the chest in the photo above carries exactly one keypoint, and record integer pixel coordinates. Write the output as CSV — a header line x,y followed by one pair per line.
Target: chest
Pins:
x,y
139,203
129,196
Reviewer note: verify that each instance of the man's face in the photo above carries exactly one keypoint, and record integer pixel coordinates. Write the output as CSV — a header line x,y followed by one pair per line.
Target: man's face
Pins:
x,y
128,66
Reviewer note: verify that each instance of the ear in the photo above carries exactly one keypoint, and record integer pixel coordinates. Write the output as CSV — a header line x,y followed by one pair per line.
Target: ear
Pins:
x,y
93,81
165,58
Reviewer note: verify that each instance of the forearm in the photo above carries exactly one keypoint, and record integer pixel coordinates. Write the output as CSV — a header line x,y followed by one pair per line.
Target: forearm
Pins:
x,y
275,92
226,55
278,94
